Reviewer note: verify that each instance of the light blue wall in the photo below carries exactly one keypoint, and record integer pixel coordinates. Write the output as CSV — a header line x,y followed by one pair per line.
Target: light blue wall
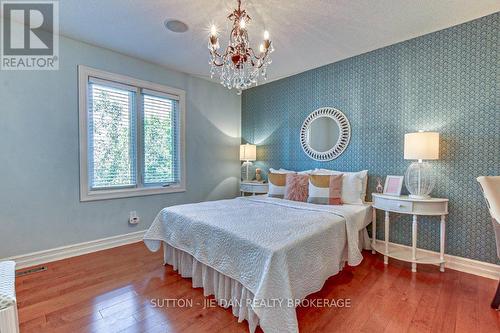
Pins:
x,y
448,81
39,166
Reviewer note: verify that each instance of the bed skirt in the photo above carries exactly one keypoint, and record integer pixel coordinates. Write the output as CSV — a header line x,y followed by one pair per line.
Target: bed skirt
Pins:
x,y
227,291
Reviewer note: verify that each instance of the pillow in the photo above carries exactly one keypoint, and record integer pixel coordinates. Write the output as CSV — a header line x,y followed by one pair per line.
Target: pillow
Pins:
x,y
325,189
297,187
353,185
280,171
277,183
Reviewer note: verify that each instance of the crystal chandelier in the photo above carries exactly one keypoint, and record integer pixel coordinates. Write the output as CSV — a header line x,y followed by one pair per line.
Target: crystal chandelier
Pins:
x,y
239,66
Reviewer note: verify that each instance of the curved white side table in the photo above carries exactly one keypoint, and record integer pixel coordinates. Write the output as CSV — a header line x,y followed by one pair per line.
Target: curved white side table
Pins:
x,y
415,207
253,188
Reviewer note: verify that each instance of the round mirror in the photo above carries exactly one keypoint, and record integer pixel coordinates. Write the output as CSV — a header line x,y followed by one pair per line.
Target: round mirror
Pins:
x,y
325,134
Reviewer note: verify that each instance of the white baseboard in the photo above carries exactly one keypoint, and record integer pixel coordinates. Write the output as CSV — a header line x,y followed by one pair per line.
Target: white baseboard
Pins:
x,y
471,266
63,252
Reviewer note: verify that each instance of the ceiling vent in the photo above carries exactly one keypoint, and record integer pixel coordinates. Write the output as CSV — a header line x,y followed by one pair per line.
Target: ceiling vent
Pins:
x,y
176,26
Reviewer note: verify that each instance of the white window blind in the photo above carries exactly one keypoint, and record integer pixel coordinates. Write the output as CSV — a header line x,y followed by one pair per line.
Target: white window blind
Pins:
x,y
111,136
161,157
132,142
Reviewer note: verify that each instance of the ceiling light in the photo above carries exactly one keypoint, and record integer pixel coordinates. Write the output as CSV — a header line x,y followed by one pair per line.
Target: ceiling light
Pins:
x,y
239,66
176,26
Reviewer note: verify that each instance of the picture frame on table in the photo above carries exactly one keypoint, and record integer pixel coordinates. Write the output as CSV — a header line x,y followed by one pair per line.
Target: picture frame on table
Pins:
x,y
393,185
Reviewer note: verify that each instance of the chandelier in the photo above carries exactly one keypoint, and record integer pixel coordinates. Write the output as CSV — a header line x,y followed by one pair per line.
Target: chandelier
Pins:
x,y
239,66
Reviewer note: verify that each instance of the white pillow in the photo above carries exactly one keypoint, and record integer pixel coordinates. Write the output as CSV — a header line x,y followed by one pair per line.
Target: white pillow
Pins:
x,y
280,171
353,185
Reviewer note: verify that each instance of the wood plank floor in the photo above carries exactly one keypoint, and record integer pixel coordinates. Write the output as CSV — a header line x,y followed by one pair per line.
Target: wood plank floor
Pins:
x,y
112,291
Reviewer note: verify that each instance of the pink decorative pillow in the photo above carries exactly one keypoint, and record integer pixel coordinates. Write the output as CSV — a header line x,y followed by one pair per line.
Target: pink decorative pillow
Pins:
x,y
297,187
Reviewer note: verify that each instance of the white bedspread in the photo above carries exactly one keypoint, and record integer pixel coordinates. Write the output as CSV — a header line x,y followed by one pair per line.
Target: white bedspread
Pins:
x,y
280,250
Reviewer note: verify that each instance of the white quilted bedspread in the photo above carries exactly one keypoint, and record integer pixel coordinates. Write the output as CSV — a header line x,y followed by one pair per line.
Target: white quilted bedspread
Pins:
x,y
280,250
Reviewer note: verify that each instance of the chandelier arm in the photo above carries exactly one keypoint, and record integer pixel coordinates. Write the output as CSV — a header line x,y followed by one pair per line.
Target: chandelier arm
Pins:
x,y
217,56
217,64
262,57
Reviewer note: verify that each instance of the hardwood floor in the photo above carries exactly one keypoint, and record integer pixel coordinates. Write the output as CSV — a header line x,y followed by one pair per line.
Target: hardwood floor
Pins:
x,y
112,291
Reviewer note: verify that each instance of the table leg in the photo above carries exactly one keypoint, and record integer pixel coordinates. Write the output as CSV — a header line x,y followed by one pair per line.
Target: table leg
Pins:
x,y
386,258
442,243
414,244
374,229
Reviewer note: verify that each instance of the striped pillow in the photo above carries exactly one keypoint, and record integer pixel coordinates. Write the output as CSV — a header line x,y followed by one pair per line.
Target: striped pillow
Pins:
x,y
325,189
277,182
296,188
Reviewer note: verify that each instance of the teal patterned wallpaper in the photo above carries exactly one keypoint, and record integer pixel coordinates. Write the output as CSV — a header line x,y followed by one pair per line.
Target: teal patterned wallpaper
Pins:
x,y
447,81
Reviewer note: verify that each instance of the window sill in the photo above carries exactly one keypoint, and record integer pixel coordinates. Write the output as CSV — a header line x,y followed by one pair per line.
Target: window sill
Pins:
x,y
128,193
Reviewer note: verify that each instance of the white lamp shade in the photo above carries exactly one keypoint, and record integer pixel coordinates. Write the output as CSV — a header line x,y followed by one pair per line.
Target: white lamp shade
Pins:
x,y
248,152
422,146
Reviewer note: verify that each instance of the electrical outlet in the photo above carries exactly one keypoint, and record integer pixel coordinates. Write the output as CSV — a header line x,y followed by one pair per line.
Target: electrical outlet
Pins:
x,y
134,218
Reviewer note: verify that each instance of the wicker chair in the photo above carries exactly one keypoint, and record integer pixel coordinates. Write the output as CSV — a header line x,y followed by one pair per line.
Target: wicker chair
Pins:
x,y
491,190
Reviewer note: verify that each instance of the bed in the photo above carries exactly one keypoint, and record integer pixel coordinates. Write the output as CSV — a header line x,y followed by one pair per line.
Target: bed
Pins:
x,y
260,255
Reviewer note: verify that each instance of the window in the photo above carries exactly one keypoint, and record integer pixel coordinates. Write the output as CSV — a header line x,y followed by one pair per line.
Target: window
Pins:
x,y
131,136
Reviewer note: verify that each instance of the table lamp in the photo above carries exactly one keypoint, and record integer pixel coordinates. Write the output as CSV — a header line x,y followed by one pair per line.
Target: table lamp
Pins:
x,y
248,153
419,178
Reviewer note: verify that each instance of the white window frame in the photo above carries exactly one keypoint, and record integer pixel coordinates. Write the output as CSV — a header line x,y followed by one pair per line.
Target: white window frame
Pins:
x,y
86,194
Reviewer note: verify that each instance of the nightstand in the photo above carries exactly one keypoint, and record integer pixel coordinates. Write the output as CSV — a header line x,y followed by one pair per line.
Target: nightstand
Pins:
x,y
414,207
253,188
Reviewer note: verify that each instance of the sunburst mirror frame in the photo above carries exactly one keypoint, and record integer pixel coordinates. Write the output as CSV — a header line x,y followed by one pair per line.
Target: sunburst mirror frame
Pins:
x,y
342,142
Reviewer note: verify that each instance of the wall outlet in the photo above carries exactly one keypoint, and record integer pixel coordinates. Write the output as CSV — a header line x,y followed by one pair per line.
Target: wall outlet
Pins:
x,y
133,218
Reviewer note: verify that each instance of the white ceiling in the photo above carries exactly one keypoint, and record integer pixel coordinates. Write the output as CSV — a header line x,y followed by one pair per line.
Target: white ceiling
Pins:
x,y
306,34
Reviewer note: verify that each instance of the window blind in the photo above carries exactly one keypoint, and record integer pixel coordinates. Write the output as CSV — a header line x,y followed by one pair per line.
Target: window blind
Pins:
x,y
160,139
111,135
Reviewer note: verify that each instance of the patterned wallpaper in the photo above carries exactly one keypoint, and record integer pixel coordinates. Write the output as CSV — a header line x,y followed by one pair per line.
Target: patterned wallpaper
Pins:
x,y
447,81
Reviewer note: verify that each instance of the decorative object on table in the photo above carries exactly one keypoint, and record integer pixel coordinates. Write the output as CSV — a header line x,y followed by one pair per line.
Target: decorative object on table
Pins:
x,y
239,66
253,188
379,188
393,185
325,134
258,174
419,178
415,207
248,153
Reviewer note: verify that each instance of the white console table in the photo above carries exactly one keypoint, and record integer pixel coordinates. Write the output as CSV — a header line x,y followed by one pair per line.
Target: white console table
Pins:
x,y
253,188
415,207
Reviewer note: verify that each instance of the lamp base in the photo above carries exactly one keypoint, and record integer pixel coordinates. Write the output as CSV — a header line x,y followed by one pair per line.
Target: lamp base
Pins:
x,y
247,171
419,180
